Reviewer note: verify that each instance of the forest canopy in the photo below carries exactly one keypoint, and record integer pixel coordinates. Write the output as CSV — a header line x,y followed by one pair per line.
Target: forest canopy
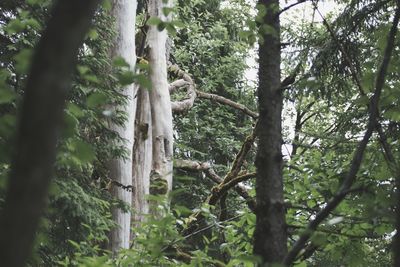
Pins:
x,y
199,133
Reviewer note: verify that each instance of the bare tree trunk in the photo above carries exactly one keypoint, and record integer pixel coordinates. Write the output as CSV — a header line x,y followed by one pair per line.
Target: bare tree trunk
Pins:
x,y
142,156
160,101
270,236
39,123
124,11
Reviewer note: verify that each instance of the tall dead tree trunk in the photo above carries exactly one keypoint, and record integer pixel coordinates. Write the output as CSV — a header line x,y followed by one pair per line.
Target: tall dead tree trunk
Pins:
x,y
160,102
38,127
270,234
124,12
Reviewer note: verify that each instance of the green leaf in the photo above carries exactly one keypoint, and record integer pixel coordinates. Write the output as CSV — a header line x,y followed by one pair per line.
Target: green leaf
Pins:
x,y
167,10
83,69
392,114
7,125
33,23
126,77
171,29
154,21
71,124
96,99
161,26
301,264
75,110
23,60
178,23
84,151
106,4
6,95
15,26
319,239
93,34
120,62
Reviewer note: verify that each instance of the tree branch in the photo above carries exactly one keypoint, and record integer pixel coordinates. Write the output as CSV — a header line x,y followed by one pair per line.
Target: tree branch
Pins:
x,y
188,102
228,102
192,94
290,6
210,173
358,155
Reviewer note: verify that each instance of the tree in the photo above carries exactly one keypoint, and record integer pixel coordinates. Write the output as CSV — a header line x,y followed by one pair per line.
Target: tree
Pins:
x,y
121,167
39,125
270,241
332,201
160,102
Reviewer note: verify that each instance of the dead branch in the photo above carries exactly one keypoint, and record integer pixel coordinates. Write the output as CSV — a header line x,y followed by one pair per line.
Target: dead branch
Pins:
x,y
228,102
191,94
205,167
187,103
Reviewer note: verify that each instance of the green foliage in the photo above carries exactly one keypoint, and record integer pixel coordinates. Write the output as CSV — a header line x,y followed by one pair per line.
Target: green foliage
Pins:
x,y
78,220
211,41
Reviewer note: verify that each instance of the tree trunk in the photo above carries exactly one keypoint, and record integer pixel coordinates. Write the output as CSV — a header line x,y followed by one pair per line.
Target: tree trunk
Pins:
x,y
124,11
270,234
142,156
39,123
160,101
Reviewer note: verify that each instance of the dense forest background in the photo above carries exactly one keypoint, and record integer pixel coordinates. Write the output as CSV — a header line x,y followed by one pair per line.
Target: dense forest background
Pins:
x,y
298,168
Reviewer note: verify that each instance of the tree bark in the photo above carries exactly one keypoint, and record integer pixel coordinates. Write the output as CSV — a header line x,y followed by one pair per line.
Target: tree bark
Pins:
x,y
124,12
270,235
142,156
160,101
38,129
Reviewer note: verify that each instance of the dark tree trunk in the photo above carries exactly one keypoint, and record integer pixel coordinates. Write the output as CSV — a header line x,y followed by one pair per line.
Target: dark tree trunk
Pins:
x,y
39,123
270,234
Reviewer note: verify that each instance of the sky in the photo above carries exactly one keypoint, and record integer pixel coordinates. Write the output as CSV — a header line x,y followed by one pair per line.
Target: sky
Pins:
x,y
298,14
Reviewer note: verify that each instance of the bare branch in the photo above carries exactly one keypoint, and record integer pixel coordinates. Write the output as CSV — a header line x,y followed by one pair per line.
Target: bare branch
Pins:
x,y
175,85
192,94
188,102
290,6
228,102
210,173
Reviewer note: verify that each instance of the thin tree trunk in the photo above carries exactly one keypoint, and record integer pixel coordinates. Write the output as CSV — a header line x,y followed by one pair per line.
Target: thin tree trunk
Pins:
x,y
38,127
270,235
124,11
160,101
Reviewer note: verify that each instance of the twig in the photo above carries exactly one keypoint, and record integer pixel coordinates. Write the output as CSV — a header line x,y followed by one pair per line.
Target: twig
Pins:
x,y
290,6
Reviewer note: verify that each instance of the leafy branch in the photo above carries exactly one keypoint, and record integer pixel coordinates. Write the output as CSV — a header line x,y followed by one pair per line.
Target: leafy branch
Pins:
x,y
358,155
